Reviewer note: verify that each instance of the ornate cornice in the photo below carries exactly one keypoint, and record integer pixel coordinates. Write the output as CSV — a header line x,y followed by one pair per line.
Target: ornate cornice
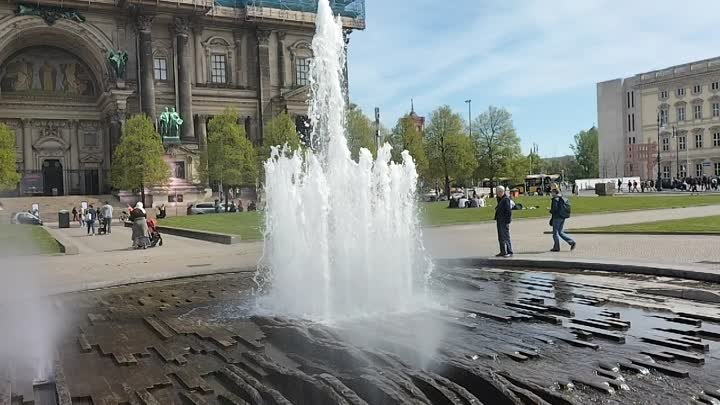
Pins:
x,y
182,26
263,36
281,35
143,22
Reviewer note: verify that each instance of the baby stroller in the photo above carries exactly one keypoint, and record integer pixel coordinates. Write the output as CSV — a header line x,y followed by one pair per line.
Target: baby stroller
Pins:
x,y
102,226
154,234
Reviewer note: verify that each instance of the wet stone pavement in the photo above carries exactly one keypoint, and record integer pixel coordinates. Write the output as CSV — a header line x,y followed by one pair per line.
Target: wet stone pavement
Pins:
x,y
498,338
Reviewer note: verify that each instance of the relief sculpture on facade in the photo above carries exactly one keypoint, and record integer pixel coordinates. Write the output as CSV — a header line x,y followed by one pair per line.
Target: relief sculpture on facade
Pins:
x,y
47,71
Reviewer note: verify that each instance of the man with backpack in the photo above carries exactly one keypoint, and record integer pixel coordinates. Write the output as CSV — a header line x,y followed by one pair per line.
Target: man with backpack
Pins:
x,y
560,211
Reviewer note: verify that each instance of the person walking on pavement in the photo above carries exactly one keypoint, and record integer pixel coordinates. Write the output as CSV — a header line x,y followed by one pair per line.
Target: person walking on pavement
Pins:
x,y
107,214
90,218
559,212
503,218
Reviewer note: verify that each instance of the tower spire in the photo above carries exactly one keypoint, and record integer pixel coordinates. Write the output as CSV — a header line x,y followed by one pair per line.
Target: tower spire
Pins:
x,y
412,106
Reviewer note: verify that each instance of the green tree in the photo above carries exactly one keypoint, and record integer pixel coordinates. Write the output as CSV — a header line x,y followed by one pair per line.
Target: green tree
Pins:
x,y
406,136
360,131
279,131
587,153
231,158
451,154
9,177
497,143
139,161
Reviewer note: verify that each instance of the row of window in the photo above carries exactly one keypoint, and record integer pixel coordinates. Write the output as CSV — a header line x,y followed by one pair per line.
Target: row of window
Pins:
x,y
682,171
219,69
696,89
631,122
630,99
697,113
682,142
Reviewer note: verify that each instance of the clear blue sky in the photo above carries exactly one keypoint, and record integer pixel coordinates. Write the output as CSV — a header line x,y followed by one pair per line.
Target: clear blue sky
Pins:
x,y
540,59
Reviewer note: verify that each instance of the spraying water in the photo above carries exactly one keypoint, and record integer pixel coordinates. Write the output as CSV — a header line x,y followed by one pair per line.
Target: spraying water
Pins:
x,y
342,237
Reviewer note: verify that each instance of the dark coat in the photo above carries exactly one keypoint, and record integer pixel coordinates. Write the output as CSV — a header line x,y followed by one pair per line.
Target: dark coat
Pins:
x,y
503,211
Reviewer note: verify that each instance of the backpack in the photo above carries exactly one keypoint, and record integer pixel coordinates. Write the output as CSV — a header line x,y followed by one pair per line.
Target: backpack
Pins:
x,y
564,208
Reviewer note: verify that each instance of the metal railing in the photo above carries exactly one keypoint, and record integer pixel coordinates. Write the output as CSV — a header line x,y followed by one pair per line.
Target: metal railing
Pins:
x,y
354,9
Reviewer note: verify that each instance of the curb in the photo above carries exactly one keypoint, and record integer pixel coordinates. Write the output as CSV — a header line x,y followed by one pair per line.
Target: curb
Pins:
x,y
66,245
215,237
688,273
581,232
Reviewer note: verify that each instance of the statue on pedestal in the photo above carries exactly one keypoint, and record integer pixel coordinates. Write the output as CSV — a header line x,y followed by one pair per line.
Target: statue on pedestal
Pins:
x,y
118,62
169,125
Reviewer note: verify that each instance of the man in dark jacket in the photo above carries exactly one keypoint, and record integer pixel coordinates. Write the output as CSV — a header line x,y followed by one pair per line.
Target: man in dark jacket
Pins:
x,y
559,212
503,218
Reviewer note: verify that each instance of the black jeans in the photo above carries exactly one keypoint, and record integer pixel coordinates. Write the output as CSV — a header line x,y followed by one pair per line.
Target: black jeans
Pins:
x,y
503,231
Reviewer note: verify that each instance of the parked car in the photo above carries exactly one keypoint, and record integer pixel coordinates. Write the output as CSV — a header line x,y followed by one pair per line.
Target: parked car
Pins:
x,y
200,208
26,218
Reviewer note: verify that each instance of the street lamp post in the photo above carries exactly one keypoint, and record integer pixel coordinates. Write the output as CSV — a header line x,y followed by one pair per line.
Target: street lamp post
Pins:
x,y
659,178
469,103
677,153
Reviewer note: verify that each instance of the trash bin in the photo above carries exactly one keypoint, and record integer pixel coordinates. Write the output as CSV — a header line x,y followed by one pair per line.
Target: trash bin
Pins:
x,y
64,218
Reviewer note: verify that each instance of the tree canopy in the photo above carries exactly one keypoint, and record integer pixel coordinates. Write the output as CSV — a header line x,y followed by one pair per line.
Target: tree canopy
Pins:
x,y
451,153
498,145
586,153
139,161
406,136
360,131
9,177
279,131
231,158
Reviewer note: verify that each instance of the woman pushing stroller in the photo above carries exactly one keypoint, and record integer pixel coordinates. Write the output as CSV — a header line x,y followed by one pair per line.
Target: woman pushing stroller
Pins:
x,y
138,217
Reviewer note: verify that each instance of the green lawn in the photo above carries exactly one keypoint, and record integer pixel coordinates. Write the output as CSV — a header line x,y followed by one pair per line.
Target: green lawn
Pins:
x,y
438,214
245,224
700,225
22,240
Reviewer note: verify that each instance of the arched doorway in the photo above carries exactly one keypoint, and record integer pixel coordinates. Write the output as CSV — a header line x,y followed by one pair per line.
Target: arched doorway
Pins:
x,y
53,182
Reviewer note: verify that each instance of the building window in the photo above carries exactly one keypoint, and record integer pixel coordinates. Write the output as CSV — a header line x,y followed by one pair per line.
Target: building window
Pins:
x,y
680,91
664,94
629,124
716,109
632,98
682,171
633,122
218,65
666,172
682,143
698,169
160,67
302,71
715,85
697,89
697,112
628,99
665,144
663,116
717,169
716,139
698,141
681,113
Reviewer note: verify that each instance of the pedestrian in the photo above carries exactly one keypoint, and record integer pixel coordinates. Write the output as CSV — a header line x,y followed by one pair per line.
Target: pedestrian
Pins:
x,y
559,212
75,215
619,185
642,186
503,218
714,183
90,217
635,188
138,216
107,214
630,186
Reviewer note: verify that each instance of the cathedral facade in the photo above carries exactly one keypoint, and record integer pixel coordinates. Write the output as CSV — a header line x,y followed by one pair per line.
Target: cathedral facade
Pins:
x,y
72,72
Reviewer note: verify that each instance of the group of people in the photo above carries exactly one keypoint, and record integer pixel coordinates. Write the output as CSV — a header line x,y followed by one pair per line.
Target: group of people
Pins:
x,y
632,186
559,213
696,184
232,207
96,220
476,201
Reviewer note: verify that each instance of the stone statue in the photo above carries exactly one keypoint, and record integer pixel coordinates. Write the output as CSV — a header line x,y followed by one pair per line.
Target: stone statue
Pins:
x,y
47,75
50,14
72,85
24,76
169,124
118,61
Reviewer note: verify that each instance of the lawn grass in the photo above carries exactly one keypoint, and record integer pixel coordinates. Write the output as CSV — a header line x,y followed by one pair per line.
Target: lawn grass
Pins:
x,y
245,224
702,225
24,240
437,213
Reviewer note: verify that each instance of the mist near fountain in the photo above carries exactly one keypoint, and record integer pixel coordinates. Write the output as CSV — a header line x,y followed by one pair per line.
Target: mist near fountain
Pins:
x,y
342,238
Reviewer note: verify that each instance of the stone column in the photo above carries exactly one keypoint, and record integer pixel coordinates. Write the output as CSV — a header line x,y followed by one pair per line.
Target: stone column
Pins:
x,y
243,60
74,155
237,37
200,75
263,71
147,74
28,157
346,38
202,131
282,78
184,61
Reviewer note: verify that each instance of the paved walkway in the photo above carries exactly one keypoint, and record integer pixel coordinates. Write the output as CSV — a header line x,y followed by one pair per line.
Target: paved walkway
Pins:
x,y
108,260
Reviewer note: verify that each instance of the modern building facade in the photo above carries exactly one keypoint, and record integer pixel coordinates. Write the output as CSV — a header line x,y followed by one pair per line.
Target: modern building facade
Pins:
x,y
680,103
72,72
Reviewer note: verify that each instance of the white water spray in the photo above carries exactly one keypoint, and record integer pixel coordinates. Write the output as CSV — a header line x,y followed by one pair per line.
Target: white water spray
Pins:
x,y
342,237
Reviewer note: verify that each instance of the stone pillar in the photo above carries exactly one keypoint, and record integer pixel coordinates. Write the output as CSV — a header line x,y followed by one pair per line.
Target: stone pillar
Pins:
x,y
346,85
263,71
282,78
202,131
28,157
243,60
200,75
147,74
74,155
238,79
184,61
